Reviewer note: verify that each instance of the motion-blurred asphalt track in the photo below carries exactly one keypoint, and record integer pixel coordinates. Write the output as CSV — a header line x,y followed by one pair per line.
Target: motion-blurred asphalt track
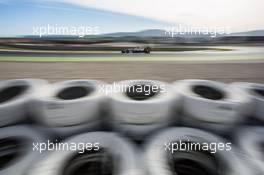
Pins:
x,y
240,64
113,71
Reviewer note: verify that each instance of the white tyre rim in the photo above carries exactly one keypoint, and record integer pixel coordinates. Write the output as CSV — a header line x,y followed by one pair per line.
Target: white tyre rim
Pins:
x,y
67,131
218,128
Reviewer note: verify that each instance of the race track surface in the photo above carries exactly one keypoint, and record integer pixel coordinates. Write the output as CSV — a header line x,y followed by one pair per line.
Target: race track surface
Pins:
x,y
114,71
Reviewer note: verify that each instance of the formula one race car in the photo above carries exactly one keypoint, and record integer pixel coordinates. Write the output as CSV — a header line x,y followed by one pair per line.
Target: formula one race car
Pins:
x,y
136,50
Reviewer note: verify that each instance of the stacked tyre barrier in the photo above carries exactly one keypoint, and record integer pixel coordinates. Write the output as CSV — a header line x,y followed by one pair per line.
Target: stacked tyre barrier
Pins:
x,y
143,107
213,105
131,127
70,107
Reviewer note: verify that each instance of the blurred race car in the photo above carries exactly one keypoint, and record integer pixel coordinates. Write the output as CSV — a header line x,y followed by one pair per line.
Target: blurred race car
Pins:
x,y
137,50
